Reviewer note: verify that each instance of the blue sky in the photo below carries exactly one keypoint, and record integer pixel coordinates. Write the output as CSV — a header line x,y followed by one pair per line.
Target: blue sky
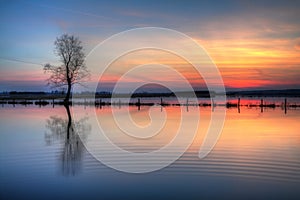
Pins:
x,y
265,31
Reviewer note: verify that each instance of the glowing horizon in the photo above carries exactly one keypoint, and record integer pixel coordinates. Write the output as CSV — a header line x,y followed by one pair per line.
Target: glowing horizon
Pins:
x,y
253,46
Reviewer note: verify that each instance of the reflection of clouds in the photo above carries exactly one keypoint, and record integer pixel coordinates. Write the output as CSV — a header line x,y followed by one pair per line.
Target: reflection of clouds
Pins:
x,y
67,130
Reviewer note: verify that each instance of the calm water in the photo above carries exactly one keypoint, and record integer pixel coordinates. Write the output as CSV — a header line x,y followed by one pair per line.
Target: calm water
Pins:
x,y
256,157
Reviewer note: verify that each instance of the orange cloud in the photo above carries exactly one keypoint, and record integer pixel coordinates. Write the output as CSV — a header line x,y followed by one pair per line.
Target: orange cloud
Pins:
x,y
297,45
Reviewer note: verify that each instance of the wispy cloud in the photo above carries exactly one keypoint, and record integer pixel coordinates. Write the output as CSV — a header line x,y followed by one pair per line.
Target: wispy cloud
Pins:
x,y
254,44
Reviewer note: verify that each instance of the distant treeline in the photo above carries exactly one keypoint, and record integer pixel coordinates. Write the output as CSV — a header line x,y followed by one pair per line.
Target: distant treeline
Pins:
x,y
56,95
29,93
202,94
265,93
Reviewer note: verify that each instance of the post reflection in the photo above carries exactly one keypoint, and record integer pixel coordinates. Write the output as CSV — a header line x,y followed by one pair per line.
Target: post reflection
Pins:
x,y
66,129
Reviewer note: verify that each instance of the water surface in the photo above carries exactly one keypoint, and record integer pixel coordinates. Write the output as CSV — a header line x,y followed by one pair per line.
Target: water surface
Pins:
x,y
256,156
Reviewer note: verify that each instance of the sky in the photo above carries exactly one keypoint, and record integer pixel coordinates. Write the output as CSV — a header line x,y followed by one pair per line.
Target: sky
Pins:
x,y
254,44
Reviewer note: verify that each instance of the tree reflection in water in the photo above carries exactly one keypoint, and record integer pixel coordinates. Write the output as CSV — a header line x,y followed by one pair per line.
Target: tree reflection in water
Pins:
x,y
67,130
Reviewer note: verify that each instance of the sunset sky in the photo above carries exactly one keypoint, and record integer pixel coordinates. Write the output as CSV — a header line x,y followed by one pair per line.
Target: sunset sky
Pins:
x,y
255,44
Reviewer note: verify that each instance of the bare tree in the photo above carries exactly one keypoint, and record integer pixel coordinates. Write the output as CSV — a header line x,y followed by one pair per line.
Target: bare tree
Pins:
x,y
73,69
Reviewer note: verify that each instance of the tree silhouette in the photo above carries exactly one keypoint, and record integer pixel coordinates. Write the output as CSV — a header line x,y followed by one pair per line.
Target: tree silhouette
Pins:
x,y
65,129
73,70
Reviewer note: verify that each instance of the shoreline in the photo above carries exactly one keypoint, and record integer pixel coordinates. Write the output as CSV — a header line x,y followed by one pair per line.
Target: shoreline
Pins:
x,y
98,102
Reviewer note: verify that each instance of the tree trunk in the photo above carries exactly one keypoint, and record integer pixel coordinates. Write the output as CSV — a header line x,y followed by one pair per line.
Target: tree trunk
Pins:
x,y
67,98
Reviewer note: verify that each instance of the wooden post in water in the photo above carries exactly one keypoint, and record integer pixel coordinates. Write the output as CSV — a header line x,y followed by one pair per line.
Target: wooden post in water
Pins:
x,y
261,105
53,103
100,103
285,105
239,104
139,104
187,104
